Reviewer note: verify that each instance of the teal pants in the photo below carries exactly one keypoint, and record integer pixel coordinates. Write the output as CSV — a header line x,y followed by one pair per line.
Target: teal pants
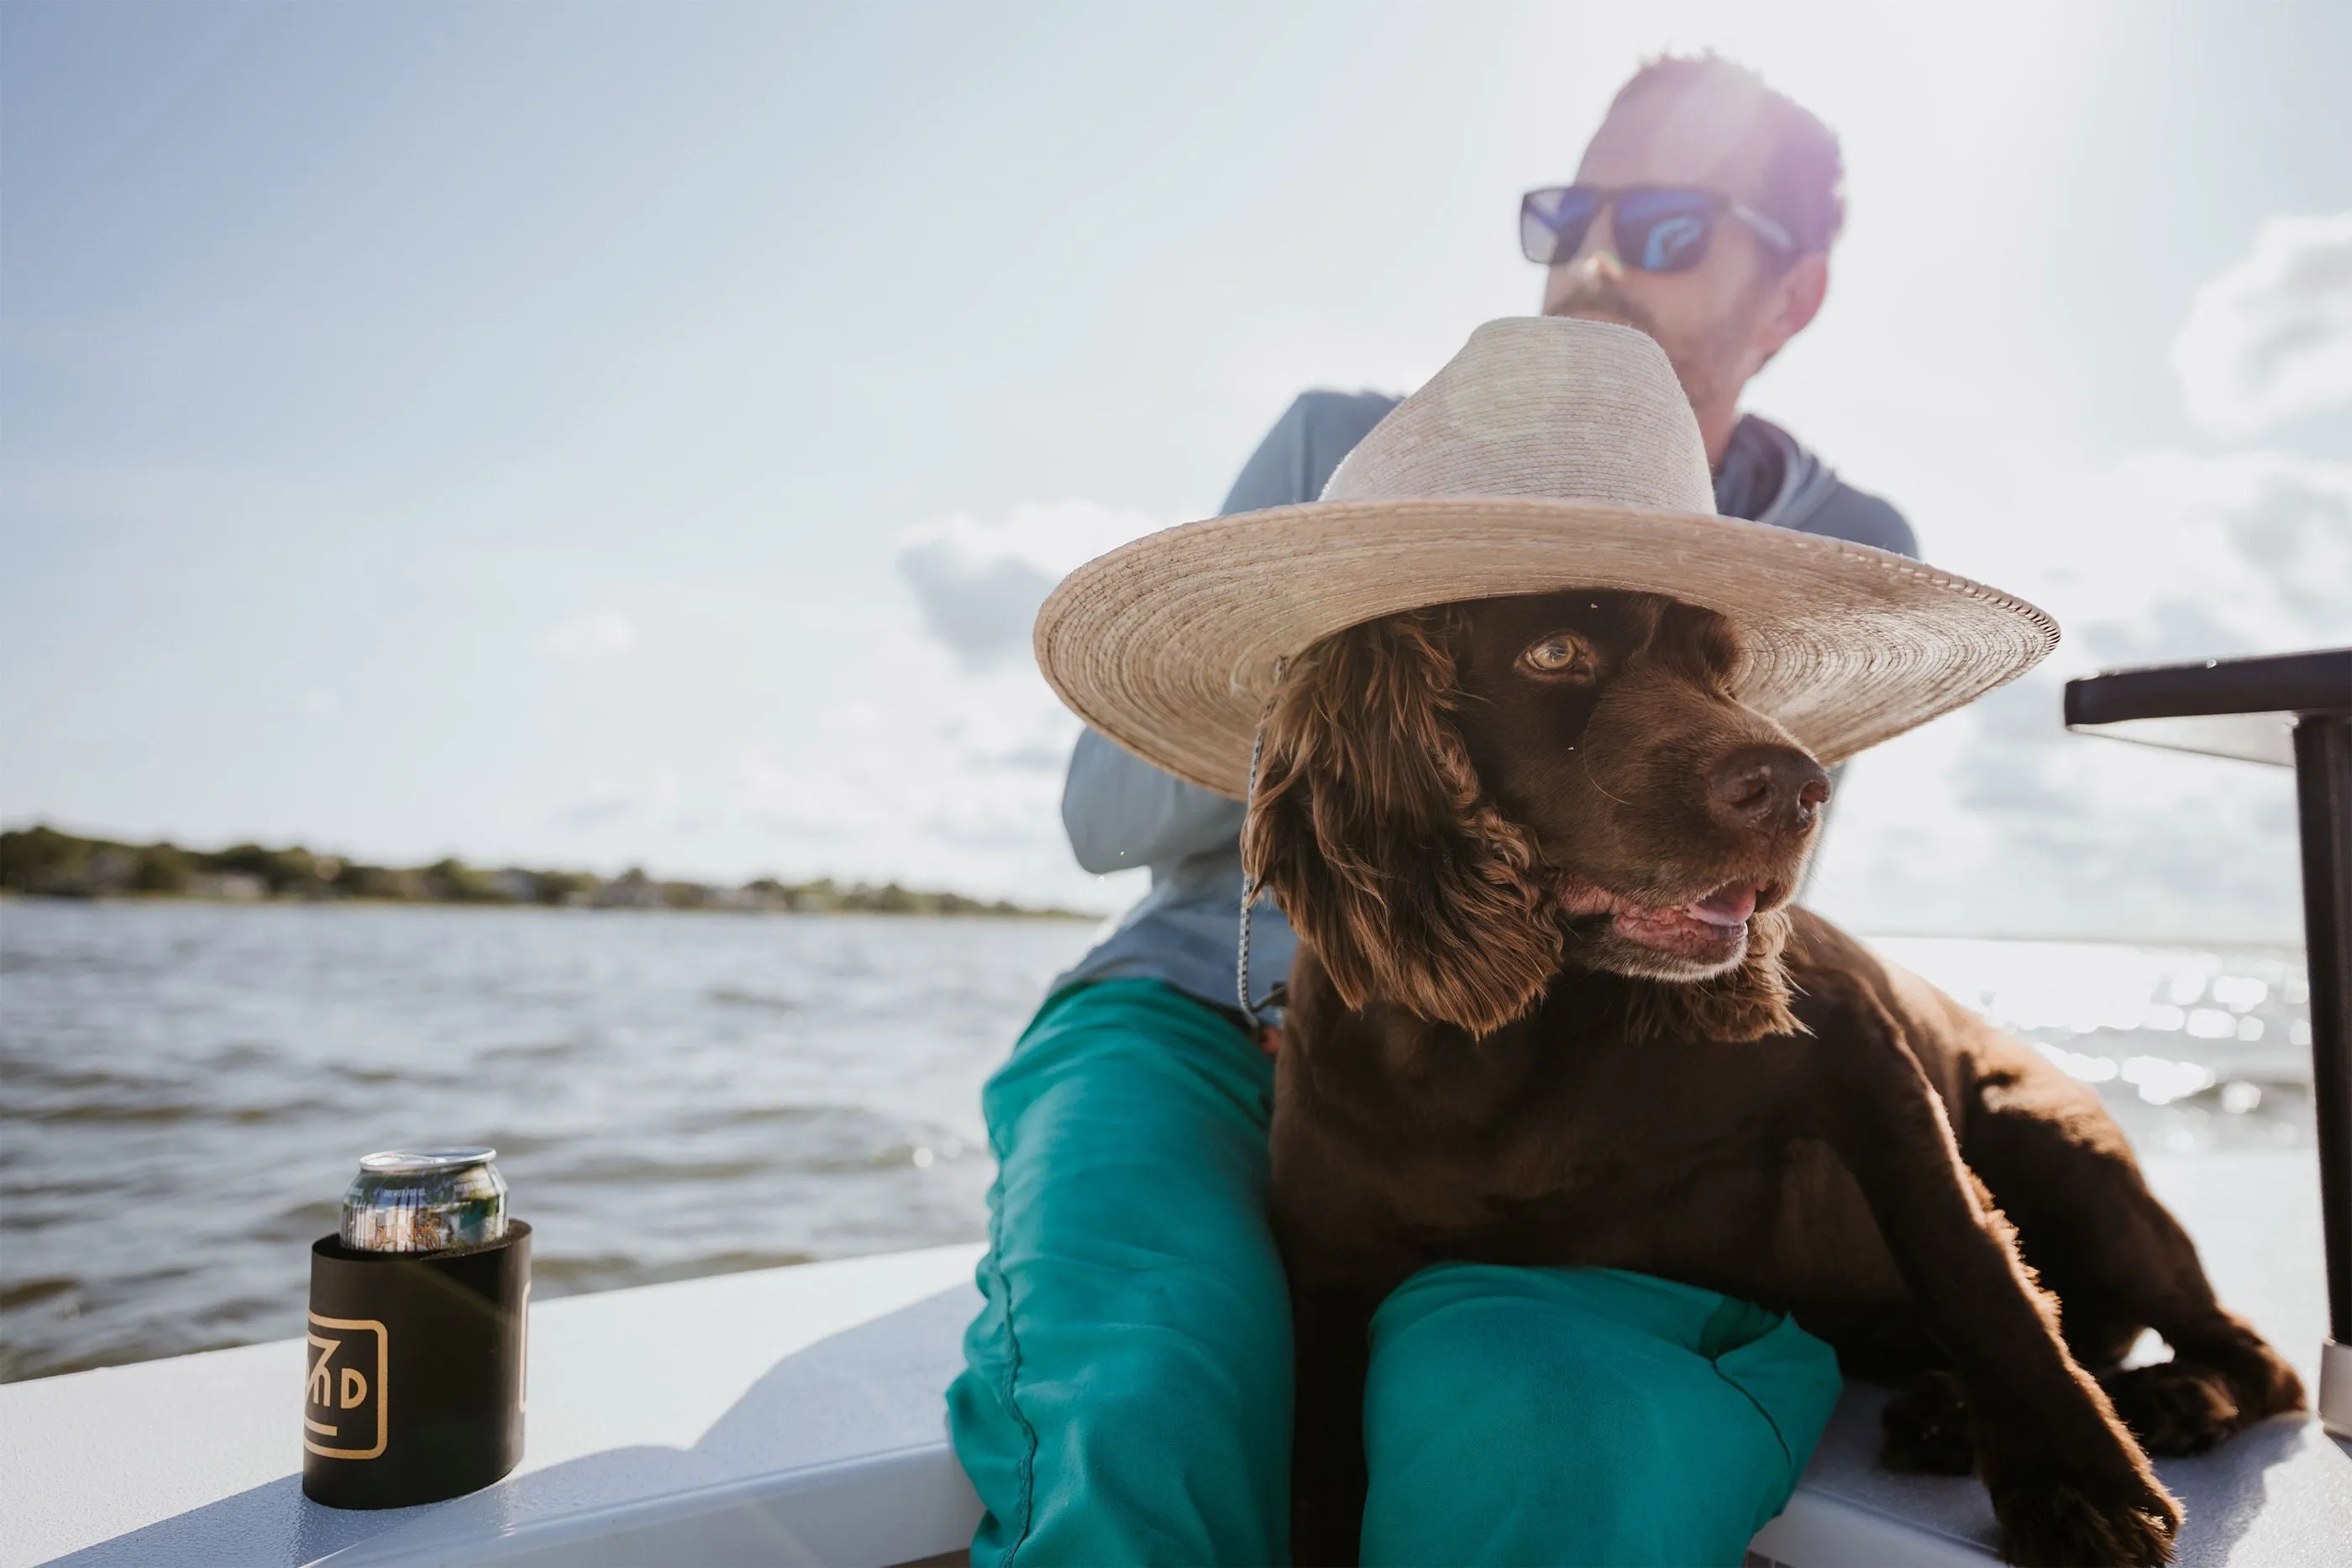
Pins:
x,y
1127,1392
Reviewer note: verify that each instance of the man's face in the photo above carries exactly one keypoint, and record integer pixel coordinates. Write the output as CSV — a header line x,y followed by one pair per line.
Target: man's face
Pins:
x,y
1720,320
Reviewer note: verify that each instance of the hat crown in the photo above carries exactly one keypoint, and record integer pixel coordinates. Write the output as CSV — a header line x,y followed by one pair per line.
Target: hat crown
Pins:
x,y
1541,407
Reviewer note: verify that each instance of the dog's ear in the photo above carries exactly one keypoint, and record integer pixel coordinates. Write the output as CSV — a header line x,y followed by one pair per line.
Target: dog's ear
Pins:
x,y
1372,829
1740,1005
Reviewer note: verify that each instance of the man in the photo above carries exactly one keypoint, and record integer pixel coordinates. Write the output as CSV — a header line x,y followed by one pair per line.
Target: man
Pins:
x,y
1127,1391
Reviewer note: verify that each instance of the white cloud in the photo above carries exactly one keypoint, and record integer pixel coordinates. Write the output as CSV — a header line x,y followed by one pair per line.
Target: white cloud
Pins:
x,y
943,766
957,783
1997,819
979,584
589,634
654,805
601,804
2171,556
2272,335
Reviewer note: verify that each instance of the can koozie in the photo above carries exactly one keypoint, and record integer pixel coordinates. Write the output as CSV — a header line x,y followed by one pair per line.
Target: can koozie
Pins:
x,y
413,1384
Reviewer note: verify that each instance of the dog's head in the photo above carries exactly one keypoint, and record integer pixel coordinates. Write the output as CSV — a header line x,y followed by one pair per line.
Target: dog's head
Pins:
x,y
1455,803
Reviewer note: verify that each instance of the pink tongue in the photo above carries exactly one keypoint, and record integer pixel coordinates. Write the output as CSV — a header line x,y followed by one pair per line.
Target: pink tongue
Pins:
x,y
1732,906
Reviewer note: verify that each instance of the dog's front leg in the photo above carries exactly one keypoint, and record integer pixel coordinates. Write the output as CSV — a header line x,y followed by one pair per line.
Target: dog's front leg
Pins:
x,y
2068,1483
1332,1331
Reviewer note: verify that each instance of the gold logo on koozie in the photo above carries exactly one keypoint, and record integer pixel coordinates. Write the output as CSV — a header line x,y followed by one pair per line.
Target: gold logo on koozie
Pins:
x,y
344,1399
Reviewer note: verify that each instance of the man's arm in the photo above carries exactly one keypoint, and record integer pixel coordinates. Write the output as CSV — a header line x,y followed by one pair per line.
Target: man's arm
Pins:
x,y
1119,810
1123,813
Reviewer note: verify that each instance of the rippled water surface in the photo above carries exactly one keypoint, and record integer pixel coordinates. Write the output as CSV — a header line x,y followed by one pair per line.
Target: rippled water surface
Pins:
x,y
185,1089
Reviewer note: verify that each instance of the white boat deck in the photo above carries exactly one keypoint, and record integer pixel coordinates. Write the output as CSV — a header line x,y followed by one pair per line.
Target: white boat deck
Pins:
x,y
794,1415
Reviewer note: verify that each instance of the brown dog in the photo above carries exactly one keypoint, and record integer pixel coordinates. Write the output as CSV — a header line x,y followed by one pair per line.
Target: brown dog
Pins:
x,y
1551,1007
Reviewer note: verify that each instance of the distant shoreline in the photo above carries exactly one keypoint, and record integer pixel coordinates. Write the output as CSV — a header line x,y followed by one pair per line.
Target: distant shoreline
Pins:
x,y
41,862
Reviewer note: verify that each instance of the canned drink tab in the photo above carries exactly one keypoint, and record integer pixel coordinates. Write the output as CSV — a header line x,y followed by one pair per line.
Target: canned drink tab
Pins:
x,y
425,1200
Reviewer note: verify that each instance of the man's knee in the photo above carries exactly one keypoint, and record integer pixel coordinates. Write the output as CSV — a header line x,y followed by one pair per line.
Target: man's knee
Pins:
x,y
1492,1373
1508,1416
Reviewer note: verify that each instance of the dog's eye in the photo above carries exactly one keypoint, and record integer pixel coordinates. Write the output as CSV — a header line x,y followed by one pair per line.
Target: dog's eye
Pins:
x,y
1558,655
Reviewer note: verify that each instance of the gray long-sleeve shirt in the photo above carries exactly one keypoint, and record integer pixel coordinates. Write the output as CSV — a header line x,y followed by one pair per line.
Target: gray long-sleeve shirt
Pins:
x,y
1120,811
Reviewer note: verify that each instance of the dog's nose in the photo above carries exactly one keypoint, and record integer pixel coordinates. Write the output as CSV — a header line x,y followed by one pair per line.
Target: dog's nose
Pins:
x,y
1777,788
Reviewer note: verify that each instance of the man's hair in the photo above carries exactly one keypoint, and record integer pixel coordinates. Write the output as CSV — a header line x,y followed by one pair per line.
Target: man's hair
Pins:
x,y
1804,179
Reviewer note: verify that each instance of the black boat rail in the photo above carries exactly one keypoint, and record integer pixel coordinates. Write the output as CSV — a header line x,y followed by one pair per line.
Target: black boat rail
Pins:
x,y
2290,710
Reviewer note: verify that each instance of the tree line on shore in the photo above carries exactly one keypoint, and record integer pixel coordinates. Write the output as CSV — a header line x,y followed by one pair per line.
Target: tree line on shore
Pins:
x,y
41,861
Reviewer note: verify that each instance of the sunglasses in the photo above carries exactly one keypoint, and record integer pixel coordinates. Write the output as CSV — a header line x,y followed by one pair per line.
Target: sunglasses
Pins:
x,y
1659,229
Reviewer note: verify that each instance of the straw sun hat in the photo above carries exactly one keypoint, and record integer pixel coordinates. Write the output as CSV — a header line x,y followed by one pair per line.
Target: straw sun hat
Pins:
x,y
1548,454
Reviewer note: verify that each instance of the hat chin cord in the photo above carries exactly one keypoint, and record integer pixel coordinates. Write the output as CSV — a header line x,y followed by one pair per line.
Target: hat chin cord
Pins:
x,y
1263,1014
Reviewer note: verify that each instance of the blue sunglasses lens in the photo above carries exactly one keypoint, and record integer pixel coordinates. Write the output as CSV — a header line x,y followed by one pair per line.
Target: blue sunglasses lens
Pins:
x,y
1663,231
1553,223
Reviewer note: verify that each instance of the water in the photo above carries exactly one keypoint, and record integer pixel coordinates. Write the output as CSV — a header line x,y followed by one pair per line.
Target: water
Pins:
x,y
186,1088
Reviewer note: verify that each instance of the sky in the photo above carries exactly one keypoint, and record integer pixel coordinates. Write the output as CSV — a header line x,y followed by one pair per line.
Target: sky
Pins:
x,y
611,434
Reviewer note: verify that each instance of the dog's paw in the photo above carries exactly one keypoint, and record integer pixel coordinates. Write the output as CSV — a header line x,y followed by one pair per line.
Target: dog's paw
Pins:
x,y
2173,1408
2065,1526
1924,1429
2258,1378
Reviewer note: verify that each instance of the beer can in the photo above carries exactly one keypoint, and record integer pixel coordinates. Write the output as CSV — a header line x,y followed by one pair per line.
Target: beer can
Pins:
x,y
424,1200
420,1301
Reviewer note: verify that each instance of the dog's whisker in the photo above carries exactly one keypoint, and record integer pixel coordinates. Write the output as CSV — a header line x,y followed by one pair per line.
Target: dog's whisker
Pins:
x,y
1585,761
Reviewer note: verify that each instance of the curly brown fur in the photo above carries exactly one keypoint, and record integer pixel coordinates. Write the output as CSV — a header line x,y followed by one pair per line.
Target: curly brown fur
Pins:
x,y
1372,833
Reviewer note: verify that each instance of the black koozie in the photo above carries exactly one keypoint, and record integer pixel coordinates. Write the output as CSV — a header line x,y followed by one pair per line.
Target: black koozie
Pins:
x,y
415,1388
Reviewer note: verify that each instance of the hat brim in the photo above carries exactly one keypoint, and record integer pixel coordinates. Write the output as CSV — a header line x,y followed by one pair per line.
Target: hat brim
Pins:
x,y
1168,644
